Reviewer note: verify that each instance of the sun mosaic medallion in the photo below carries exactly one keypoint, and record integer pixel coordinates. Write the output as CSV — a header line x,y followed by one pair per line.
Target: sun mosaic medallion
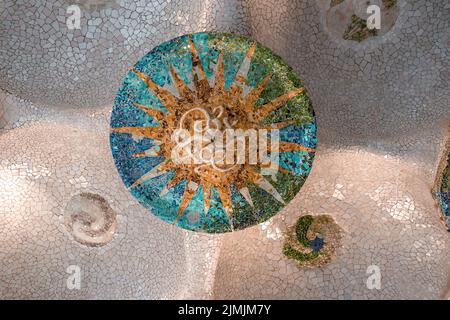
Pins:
x,y
213,132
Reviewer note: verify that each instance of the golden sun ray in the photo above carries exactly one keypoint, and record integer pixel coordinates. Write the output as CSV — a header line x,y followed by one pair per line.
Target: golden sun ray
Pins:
x,y
167,165
266,109
179,176
206,195
240,87
225,198
219,85
200,81
277,125
181,86
149,132
284,170
227,202
140,154
251,51
189,192
167,98
152,152
158,115
285,146
251,98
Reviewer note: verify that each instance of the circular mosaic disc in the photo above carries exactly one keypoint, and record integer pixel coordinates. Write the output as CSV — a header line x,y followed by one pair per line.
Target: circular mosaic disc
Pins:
x,y
213,132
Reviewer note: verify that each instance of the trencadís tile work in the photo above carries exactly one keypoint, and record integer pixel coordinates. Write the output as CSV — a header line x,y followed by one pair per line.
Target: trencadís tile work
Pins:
x,y
381,114
237,85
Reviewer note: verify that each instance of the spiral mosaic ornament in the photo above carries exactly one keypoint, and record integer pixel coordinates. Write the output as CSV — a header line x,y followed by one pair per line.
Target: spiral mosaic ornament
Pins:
x,y
213,132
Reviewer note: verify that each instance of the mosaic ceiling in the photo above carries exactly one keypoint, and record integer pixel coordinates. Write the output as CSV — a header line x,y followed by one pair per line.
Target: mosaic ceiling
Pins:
x,y
381,102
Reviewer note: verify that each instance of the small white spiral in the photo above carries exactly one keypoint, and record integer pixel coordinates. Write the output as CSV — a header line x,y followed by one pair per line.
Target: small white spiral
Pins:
x,y
90,219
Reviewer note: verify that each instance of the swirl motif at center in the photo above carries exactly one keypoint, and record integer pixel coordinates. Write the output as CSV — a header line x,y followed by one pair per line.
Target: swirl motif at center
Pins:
x,y
211,125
